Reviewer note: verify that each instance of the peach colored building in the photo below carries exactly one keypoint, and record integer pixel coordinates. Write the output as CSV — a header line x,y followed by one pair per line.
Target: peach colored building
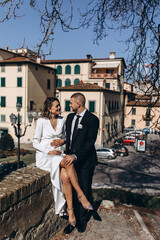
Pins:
x,y
141,111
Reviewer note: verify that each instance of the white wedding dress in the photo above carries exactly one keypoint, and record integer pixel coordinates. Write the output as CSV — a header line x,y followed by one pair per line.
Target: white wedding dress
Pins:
x,y
44,134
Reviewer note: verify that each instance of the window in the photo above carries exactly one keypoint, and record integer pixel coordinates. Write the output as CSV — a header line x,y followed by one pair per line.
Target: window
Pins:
x,y
108,128
3,68
48,84
19,82
133,111
67,107
109,106
68,69
77,69
108,85
148,112
117,105
19,67
59,70
76,81
67,82
3,118
92,106
147,123
3,101
133,122
19,100
31,105
110,71
58,83
3,82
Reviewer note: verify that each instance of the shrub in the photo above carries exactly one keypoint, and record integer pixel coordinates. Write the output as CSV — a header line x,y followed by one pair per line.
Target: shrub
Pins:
x,y
6,142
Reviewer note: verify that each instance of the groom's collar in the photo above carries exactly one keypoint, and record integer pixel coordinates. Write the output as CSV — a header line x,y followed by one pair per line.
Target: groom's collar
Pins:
x,y
82,113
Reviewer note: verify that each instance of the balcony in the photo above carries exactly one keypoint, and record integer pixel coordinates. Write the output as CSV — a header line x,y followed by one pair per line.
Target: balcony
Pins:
x,y
147,117
103,75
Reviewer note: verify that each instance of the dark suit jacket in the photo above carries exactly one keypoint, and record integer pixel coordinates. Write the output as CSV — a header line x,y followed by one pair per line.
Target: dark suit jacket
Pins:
x,y
84,139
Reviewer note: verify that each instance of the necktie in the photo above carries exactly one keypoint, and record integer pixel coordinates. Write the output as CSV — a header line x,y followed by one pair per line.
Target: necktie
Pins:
x,y
75,126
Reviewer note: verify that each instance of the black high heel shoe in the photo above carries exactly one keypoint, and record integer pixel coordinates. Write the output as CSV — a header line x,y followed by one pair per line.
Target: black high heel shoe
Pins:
x,y
87,207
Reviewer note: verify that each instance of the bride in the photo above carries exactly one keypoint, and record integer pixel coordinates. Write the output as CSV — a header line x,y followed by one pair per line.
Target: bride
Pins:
x,y
48,128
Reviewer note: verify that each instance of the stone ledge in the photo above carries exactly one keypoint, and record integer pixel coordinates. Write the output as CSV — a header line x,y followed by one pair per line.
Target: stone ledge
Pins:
x,y
21,184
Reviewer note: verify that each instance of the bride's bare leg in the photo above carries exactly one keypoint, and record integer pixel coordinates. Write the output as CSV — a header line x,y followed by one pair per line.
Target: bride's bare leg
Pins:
x,y
70,170
67,189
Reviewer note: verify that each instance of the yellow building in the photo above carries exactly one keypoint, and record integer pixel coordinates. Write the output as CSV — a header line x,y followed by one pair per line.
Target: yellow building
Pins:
x,y
27,82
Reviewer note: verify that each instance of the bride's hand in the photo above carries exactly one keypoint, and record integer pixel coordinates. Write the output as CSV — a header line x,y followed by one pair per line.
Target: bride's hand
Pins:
x,y
54,152
57,142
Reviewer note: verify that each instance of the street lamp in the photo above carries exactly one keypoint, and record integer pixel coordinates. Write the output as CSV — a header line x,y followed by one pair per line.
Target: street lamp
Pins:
x,y
15,120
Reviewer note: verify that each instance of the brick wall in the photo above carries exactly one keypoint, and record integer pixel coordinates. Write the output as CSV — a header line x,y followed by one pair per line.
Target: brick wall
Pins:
x,y
27,206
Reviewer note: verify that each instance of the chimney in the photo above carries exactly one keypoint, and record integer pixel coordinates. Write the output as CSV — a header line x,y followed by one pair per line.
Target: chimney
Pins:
x,y
112,55
89,56
6,48
44,59
38,59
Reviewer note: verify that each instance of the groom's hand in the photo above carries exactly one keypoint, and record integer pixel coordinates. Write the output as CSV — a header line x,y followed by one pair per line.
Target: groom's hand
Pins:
x,y
68,159
57,142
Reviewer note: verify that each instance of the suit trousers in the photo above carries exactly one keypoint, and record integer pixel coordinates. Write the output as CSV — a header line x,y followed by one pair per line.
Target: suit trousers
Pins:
x,y
85,176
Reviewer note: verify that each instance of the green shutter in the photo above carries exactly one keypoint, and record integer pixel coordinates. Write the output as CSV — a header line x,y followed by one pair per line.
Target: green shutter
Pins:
x,y
19,100
76,81
147,123
108,85
3,101
77,69
59,70
3,118
67,107
67,82
19,82
92,106
68,69
133,122
3,82
59,83
133,111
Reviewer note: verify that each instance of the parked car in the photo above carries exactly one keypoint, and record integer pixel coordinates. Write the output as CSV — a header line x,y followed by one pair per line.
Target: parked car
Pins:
x,y
118,141
132,128
147,130
106,153
130,140
120,150
134,133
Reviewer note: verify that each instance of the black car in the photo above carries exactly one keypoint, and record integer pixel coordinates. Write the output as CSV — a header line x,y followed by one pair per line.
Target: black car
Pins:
x,y
120,150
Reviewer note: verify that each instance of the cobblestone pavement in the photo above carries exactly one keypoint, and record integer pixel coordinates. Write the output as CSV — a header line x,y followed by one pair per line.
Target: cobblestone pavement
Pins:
x,y
119,223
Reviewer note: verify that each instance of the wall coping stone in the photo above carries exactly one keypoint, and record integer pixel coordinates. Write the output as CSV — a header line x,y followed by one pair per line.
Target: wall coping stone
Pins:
x,y
20,184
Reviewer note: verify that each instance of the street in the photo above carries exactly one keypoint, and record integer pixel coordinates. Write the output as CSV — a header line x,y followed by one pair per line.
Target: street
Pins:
x,y
138,172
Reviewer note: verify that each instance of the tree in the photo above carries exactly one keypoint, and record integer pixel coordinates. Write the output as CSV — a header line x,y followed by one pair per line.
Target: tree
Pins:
x,y
6,142
51,12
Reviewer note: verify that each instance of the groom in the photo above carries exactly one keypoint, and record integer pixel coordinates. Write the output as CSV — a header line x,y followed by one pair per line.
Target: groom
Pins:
x,y
81,133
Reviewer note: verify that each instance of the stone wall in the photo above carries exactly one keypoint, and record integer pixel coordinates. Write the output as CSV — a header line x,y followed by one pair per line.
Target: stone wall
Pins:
x,y
27,206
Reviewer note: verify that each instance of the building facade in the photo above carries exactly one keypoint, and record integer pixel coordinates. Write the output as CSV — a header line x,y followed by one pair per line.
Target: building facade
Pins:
x,y
27,82
26,79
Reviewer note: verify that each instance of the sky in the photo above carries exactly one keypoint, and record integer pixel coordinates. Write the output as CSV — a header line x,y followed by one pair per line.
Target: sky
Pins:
x,y
74,44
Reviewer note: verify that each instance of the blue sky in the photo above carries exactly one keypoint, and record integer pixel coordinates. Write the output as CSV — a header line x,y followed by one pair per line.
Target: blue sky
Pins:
x,y
73,44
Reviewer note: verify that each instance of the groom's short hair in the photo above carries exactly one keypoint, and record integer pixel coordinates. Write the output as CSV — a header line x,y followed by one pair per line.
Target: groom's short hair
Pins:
x,y
80,97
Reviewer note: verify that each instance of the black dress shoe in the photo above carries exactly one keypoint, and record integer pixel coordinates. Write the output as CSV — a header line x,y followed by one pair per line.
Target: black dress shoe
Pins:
x,y
68,229
82,227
